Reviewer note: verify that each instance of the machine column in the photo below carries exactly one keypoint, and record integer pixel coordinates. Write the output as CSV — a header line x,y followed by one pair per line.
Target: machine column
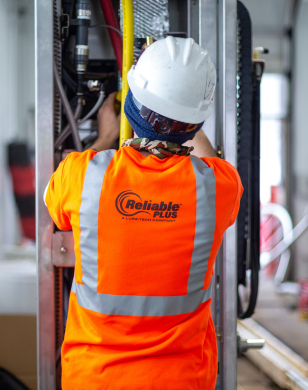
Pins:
x,y
44,169
227,52
218,34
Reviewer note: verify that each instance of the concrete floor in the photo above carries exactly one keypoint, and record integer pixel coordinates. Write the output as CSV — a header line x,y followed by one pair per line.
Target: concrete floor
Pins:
x,y
250,377
274,314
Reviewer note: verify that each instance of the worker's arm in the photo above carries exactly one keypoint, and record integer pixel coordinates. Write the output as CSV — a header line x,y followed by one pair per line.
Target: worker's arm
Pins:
x,y
202,146
228,182
53,197
108,125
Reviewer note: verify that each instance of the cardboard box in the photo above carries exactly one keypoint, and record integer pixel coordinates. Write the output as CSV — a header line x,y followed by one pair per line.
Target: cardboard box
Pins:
x,y
18,347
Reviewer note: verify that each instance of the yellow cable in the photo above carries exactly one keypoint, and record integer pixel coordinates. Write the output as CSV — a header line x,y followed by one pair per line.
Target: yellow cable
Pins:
x,y
128,57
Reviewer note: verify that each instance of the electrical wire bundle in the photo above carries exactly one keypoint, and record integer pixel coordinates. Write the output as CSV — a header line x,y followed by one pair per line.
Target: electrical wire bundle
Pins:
x,y
82,86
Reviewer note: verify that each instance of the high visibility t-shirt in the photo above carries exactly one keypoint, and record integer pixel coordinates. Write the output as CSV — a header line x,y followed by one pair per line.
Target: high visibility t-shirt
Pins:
x,y
146,234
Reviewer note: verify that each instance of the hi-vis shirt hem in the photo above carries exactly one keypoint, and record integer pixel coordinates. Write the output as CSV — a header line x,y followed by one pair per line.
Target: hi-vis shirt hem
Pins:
x,y
140,306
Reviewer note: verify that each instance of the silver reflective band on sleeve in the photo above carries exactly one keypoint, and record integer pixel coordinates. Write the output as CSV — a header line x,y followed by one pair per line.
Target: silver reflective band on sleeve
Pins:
x,y
140,306
205,223
88,212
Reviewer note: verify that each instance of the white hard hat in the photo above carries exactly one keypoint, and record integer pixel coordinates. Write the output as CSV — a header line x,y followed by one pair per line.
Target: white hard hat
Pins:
x,y
176,78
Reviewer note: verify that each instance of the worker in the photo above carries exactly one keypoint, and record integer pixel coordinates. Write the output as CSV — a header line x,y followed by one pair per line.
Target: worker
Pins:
x,y
148,220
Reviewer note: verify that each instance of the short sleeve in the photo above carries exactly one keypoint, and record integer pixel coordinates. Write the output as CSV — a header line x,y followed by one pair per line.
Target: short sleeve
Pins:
x,y
53,197
229,187
239,193
63,194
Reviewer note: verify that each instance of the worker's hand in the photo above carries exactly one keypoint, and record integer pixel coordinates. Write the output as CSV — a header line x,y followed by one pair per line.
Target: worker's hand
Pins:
x,y
202,145
108,125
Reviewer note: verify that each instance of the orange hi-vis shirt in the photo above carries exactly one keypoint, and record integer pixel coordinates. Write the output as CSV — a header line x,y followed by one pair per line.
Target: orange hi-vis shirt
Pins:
x,y
146,232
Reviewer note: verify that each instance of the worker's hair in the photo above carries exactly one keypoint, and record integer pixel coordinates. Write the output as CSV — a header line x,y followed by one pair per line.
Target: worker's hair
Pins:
x,y
144,129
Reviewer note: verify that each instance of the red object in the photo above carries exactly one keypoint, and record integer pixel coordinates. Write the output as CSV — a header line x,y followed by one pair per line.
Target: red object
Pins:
x,y
116,39
276,194
28,227
303,297
269,227
23,180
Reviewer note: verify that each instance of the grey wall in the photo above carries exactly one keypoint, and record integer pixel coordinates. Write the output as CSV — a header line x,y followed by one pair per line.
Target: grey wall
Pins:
x,y
16,99
269,19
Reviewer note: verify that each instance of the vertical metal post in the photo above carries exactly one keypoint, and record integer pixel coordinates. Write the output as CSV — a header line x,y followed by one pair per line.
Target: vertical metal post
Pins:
x,y
207,23
217,34
227,11
193,19
208,38
44,169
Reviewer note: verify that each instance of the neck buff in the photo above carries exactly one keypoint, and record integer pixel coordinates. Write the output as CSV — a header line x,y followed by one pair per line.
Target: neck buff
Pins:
x,y
144,130
161,149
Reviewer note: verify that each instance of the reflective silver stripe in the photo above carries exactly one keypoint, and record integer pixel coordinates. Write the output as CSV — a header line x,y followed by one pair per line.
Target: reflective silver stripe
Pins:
x,y
140,306
205,223
88,212
87,295
74,284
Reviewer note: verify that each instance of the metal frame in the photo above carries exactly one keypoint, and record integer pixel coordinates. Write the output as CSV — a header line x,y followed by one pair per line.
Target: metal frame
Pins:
x,y
217,33
193,19
228,264
44,168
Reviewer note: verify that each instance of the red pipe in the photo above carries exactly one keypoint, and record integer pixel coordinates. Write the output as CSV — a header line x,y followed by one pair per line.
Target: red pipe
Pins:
x,y
116,39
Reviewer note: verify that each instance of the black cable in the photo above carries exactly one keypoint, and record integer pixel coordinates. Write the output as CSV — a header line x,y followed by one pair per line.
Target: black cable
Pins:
x,y
254,287
244,129
248,227
68,65
9,381
68,80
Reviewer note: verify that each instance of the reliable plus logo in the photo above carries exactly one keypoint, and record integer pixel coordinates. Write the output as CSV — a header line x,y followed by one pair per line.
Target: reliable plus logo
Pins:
x,y
129,203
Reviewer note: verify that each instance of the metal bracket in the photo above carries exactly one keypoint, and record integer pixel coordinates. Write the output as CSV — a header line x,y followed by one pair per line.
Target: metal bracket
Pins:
x,y
65,24
219,334
219,151
244,344
62,249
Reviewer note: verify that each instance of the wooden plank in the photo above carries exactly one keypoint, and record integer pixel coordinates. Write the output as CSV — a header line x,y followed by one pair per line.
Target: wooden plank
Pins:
x,y
272,359
292,357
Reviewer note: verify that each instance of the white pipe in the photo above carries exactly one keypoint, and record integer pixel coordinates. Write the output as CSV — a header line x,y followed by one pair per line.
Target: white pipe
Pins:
x,y
267,257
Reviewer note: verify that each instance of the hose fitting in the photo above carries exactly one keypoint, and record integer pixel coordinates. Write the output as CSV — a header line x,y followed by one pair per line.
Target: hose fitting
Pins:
x,y
81,57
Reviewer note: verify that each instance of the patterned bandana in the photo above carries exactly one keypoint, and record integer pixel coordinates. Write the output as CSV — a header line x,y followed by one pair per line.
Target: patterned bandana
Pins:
x,y
161,149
